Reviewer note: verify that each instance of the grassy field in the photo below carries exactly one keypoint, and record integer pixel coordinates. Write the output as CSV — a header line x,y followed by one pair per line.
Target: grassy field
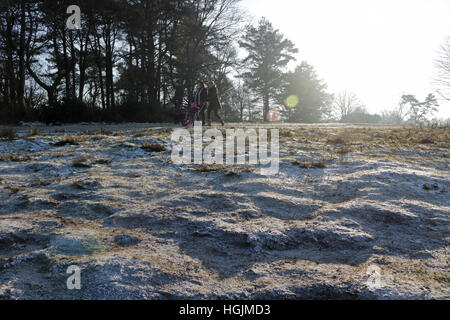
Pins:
x,y
109,199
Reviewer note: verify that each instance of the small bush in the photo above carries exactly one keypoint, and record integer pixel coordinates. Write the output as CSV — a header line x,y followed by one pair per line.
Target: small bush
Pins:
x,y
8,134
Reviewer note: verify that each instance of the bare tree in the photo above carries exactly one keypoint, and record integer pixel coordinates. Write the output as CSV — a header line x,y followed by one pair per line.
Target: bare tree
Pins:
x,y
396,115
442,64
420,111
346,103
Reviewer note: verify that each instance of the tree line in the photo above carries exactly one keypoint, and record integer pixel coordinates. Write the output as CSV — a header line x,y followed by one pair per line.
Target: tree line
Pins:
x,y
123,62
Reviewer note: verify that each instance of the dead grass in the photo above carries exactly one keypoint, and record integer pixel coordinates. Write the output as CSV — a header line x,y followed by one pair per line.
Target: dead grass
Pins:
x,y
101,161
69,140
426,141
320,164
43,182
81,163
105,132
140,134
14,189
344,149
227,171
153,147
14,158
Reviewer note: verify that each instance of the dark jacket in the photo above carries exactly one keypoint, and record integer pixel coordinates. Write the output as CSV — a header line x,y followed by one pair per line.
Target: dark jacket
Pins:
x,y
213,98
179,94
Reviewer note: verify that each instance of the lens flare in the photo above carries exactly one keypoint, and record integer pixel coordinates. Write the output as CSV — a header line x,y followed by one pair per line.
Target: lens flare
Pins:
x,y
291,101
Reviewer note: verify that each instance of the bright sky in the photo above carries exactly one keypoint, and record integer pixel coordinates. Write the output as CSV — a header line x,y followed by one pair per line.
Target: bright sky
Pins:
x,y
378,49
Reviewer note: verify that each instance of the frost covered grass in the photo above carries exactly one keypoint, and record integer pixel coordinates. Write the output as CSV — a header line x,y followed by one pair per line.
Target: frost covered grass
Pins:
x,y
142,227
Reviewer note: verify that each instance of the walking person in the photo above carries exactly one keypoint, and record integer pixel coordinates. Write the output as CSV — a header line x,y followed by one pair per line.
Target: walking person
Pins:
x,y
214,104
201,99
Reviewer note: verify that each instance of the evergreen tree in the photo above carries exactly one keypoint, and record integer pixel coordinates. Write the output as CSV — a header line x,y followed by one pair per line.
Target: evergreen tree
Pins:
x,y
305,97
268,55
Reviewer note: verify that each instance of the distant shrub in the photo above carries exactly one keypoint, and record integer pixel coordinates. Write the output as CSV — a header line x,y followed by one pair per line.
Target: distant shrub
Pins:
x,y
7,134
34,131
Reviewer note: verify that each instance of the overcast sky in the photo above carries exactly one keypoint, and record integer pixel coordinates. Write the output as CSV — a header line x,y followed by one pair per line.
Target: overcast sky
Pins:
x,y
378,49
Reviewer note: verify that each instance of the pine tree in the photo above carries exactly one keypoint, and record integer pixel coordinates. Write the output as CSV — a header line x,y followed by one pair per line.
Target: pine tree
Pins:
x,y
269,53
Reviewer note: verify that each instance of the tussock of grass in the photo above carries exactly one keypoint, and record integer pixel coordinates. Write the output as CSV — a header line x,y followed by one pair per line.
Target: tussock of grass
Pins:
x,y
101,161
73,141
8,134
78,185
140,134
153,147
14,189
227,171
429,187
426,140
43,182
315,164
81,163
344,149
105,132
286,133
14,158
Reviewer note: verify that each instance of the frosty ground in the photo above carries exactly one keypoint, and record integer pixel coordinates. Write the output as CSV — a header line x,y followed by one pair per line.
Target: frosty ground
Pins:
x,y
108,199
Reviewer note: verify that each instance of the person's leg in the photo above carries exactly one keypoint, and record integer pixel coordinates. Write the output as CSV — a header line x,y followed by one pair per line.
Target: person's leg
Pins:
x,y
202,114
209,114
216,112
